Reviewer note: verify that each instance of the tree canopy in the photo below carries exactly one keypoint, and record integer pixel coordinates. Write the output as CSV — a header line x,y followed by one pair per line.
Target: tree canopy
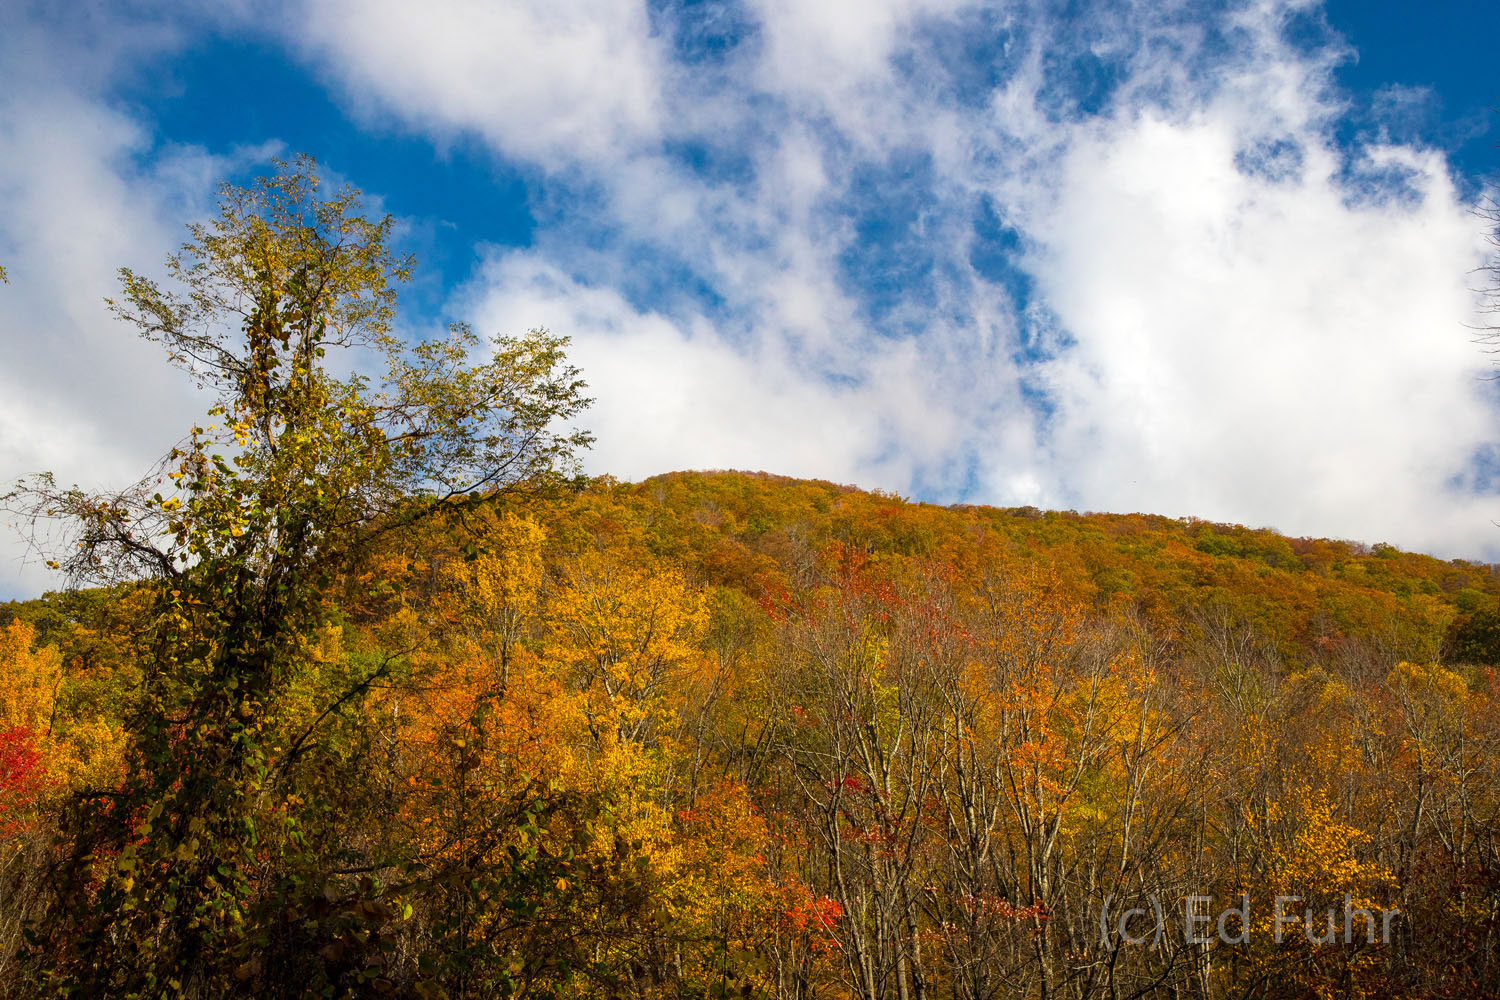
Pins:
x,y
363,692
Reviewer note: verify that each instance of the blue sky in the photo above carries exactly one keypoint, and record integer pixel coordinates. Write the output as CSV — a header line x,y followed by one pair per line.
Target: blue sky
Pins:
x,y
1190,258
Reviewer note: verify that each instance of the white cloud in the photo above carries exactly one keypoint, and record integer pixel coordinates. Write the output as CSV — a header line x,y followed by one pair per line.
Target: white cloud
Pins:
x,y
1262,351
1256,333
542,80
677,394
834,57
1229,320
80,394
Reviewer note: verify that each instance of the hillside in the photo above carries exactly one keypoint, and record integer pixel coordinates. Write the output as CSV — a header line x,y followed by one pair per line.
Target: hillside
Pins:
x,y
1310,597
732,734
757,532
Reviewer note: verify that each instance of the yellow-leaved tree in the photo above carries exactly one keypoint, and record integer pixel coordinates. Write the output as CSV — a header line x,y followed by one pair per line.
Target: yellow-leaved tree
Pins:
x,y
276,307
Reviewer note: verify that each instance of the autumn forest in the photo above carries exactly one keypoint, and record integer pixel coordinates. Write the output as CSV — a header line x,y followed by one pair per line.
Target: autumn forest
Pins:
x,y
367,691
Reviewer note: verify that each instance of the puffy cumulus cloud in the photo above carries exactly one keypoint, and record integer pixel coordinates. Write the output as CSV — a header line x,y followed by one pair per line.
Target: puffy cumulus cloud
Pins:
x,y
669,393
543,80
673,392
1262,348
1263,326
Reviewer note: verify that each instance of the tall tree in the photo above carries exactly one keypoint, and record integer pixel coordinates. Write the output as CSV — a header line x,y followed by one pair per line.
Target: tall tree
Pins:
x,y
281,308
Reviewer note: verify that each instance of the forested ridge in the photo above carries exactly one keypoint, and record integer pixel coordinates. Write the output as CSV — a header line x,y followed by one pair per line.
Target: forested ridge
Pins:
x,y
740,735
365,690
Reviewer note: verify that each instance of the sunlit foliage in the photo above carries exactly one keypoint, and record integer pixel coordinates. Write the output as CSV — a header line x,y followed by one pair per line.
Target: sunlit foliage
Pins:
x,y
365,692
